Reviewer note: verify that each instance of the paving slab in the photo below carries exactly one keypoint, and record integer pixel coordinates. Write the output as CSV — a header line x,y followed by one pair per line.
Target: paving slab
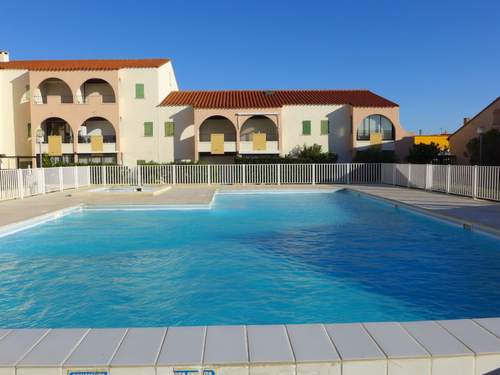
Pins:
x,y
395,341
16,344
269,344
53,349
353,342
183,346
310,343
226,345
436,340
140,347
472,335
490,324
97,348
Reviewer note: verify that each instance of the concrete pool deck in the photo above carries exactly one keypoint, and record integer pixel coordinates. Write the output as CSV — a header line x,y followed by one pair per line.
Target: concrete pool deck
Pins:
x,y
452,347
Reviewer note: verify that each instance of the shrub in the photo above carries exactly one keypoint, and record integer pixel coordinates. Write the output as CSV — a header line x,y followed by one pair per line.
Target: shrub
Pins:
x,y
423,153
299,155
375,154
491,148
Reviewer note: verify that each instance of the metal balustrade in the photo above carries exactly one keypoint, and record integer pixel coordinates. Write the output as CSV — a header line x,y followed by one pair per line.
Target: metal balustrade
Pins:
x,y
472,181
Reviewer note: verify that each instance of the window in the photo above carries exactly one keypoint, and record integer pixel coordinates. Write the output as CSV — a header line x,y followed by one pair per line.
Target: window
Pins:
x,y
325,127
139,90
169,129
306,127
29,129
375,124
148,129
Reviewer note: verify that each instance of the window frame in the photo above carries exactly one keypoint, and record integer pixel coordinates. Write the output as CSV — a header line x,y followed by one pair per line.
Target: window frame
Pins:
x,y
140,93
306,124
325,127
148,124
169,129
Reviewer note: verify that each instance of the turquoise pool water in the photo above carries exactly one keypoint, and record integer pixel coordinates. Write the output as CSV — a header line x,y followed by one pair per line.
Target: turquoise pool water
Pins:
x,y
256,258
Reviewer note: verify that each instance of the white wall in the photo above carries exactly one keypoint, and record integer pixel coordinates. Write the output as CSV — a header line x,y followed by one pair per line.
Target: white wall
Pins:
x,y
180,147
14,115
339,138
134,112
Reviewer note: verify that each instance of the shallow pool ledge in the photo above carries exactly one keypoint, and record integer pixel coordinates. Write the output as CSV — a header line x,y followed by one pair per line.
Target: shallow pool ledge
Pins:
x,y
426,347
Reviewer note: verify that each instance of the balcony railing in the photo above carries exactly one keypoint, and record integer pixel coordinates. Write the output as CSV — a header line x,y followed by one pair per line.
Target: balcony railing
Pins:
x,y
62,99
105,139
207,146
247,147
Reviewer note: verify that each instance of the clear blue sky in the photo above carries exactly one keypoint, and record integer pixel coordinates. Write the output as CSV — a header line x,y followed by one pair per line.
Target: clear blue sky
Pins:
x,y
440,60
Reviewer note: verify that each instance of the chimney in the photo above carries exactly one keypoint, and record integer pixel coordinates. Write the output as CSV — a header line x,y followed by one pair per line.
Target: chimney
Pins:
x,y
466,120
4,56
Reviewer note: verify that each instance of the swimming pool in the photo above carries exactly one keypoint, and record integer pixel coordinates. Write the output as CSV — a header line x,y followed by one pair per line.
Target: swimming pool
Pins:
x,y
251,258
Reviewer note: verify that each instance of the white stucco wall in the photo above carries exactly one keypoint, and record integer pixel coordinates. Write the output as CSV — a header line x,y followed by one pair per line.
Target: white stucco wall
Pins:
x,y
14,115
339,138
180,147
135,112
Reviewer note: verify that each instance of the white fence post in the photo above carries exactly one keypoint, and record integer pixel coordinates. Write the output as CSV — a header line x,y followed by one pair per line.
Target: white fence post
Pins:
x,y
209,179
20,184
476,180
348,174
42,173
174,174
103,175
394,174
75,172
279,174
139,175
244,173
61,181
448,178
409,176
313,174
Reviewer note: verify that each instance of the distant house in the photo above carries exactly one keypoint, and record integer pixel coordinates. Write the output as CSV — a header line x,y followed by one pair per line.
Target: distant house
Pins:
x,y
488,118
440,140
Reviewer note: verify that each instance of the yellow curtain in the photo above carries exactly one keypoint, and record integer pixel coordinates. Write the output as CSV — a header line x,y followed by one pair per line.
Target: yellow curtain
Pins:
x,y
96,143
375,138
217,144
55,145
259,142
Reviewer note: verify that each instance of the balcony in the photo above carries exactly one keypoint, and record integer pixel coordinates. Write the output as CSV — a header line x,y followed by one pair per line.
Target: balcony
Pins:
x,y
207,146
66,148
85,145
247,147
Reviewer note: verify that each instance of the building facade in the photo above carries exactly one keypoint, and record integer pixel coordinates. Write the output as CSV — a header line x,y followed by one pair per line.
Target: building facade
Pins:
x,y
488,118
131,111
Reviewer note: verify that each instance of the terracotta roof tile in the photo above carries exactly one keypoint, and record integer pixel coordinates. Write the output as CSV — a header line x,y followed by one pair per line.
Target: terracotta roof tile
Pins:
x,y
274,98
59,65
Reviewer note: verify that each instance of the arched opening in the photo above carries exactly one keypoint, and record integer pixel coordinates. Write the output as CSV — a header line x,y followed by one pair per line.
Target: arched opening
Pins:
x,y
96,126
259,125
96,90
259,134
53,90
217,125
55,126
217,139
375,124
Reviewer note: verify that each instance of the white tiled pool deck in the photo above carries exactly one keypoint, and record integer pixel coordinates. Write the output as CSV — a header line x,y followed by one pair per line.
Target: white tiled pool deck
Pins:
x,y
441,347
459,347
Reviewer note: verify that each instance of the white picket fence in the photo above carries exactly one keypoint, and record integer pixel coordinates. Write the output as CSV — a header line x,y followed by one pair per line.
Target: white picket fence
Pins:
x,y
467,180
472,181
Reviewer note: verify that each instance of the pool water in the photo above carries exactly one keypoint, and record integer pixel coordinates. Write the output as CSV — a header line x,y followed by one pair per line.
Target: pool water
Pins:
x,y
252,258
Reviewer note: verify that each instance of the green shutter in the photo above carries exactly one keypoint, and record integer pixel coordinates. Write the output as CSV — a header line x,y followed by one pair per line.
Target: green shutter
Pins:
x,y
169,129
306,127
139,91
148,129
324,127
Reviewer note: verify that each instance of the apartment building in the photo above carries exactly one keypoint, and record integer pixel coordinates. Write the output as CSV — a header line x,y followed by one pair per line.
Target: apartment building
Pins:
x,y
131,111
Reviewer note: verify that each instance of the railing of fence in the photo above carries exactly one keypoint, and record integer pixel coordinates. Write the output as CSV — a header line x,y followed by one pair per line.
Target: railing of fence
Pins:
x,y
473,181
